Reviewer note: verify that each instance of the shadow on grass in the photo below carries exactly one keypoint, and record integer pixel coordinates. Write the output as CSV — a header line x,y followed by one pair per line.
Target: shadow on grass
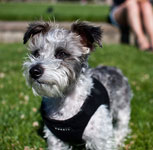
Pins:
x,y
40,130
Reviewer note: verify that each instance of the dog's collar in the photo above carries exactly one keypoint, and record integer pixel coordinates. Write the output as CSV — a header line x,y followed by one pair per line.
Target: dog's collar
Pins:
x,y
71,130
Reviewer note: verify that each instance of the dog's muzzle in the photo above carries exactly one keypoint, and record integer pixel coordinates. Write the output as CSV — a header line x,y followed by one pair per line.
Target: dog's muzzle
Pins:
x,y
36,71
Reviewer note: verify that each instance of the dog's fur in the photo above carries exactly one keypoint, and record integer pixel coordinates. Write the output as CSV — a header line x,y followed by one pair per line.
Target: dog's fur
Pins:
x,y
66,77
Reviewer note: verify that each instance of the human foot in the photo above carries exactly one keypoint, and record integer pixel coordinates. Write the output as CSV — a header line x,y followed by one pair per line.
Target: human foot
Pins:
x,y
143,43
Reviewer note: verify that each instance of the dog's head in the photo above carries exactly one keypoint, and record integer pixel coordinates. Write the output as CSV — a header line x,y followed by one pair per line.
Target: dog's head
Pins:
x,y
58,56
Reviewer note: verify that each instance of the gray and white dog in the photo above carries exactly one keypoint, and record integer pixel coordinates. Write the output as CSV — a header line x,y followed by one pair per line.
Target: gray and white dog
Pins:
x,y
81,106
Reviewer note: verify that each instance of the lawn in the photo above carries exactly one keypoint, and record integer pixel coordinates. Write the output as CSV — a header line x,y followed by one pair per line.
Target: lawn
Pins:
x,y
21,125
49,11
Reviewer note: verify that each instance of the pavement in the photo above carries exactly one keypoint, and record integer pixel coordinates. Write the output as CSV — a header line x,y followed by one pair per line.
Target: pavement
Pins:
x,y
12,31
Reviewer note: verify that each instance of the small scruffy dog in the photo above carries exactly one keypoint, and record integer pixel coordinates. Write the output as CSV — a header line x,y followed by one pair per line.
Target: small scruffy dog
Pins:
x,y
80,106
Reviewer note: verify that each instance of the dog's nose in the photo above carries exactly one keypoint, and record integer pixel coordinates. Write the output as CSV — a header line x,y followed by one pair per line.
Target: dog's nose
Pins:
x,y
36,71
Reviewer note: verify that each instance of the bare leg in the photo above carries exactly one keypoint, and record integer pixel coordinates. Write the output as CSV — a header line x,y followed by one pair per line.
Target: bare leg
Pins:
x,y
147,14
129,13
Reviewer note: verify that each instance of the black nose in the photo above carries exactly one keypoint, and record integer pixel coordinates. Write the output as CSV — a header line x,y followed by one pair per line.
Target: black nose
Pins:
x,y
36,71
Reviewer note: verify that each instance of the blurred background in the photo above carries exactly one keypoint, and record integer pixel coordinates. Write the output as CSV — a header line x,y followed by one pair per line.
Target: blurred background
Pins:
x,y
20,12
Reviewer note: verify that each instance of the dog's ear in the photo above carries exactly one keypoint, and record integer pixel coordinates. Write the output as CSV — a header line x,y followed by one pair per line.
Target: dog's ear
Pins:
x,y
35,28
90,35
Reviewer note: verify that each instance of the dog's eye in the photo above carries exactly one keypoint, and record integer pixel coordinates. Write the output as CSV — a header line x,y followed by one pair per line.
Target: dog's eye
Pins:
x,y
60,54
36,53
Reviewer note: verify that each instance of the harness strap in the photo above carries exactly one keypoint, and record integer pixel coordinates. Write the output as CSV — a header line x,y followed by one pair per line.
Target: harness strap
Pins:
x,y
71,130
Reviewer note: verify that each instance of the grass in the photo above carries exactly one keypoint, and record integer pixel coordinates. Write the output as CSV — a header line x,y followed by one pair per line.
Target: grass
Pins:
x,y
21,125
61,11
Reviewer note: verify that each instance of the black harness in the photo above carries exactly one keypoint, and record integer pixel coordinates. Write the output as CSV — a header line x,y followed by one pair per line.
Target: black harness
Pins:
x,y
71,130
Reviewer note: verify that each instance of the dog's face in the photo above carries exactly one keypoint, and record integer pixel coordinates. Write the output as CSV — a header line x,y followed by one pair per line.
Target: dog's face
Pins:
x,y
57,56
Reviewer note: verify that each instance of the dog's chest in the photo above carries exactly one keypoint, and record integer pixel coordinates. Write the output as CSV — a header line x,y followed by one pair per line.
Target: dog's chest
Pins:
x,y
72,103
71,106
71,130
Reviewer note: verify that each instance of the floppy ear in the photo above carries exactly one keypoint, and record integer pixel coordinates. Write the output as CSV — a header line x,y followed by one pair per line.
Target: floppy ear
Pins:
x,y
35,28
90,35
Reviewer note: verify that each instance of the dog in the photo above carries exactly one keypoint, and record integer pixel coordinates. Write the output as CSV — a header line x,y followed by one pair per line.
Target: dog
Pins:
x,y
81,106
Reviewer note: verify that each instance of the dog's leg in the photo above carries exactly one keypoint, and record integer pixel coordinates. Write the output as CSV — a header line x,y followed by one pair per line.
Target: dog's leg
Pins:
x,y
121,128
55,143
99,131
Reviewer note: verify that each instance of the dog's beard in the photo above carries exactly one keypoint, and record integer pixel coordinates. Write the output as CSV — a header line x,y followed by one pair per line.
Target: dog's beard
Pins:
x,y
55,81
46,89
52,84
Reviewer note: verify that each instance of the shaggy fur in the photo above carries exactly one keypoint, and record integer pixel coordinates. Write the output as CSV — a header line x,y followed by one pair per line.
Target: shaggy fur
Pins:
x,y
57,68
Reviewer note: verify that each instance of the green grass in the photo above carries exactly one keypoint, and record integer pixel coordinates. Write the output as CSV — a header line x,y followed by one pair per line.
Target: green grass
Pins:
x,y
20,121
61,11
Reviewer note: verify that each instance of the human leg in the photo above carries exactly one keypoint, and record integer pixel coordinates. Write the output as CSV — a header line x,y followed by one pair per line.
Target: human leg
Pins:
x,y
147,15
129,14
